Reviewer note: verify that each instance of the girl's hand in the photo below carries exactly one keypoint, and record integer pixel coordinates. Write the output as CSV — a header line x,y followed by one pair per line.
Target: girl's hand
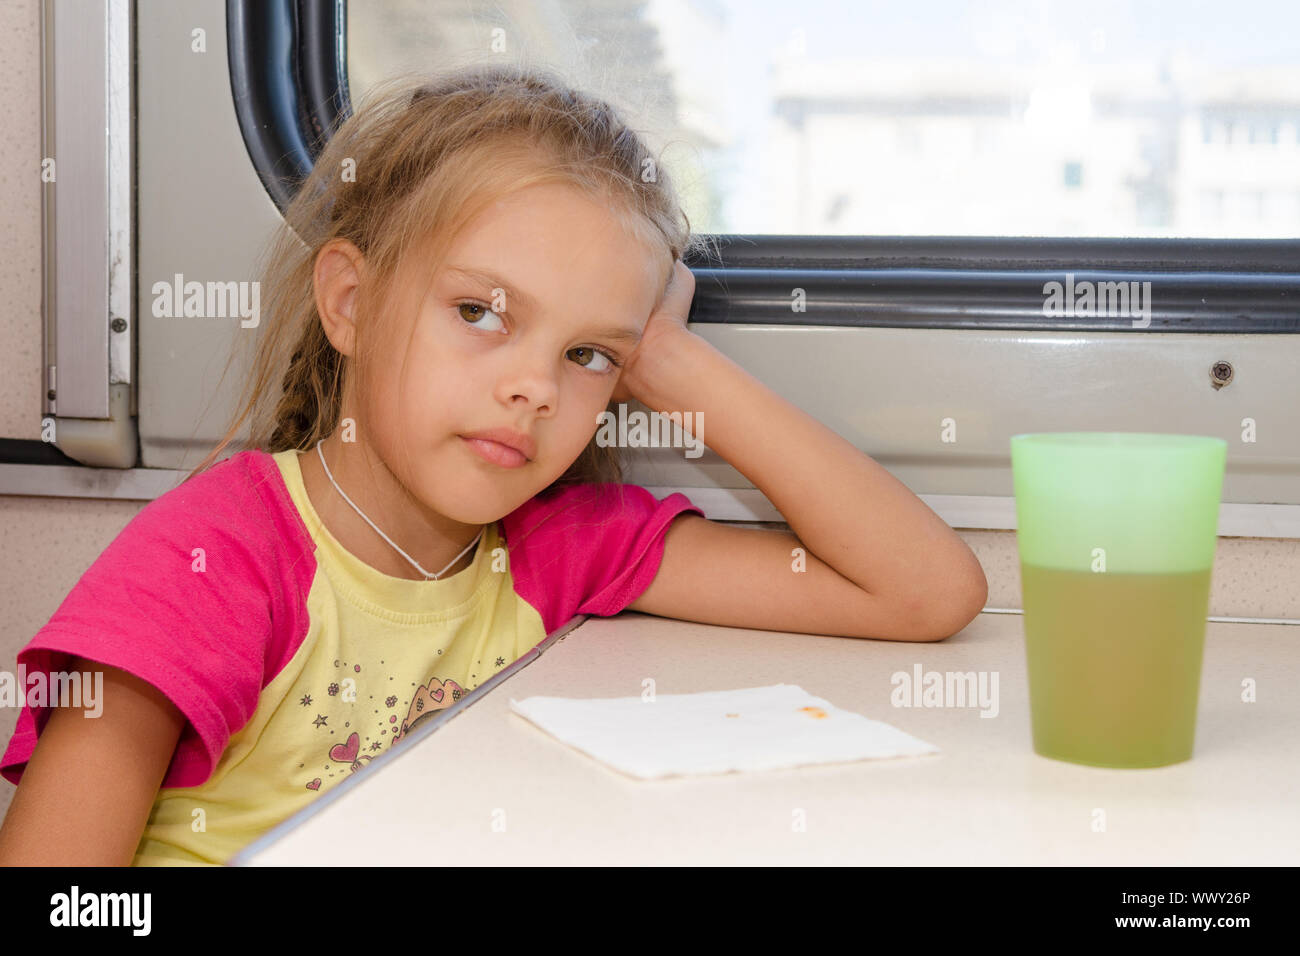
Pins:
x,y
666,322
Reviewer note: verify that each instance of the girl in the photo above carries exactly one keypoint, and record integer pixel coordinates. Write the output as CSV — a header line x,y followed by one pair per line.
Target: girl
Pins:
x,y
476,267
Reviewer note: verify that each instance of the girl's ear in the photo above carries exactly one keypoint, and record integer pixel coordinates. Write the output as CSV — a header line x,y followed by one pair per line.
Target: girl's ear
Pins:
x,y
339,270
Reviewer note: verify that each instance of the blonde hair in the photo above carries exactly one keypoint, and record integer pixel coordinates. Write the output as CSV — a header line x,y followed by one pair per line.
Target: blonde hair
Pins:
x,y
428,153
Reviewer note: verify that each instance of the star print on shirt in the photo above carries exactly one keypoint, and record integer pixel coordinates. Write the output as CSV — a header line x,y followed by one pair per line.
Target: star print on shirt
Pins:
x,y
320,720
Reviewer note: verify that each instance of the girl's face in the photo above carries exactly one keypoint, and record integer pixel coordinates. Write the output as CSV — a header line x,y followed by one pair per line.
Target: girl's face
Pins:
x,y
538,301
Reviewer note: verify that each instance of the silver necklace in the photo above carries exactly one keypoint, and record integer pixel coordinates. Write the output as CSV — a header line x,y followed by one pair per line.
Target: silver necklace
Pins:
x,y
417,567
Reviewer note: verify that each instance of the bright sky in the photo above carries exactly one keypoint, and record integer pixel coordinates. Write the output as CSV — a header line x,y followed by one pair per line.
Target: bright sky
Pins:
x,y
1223,31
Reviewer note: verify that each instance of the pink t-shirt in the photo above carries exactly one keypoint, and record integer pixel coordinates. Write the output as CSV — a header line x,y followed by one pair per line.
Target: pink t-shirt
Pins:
x,y
229,596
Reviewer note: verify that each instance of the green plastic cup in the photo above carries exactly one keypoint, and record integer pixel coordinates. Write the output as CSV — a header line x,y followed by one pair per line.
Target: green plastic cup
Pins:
x,y
1116,532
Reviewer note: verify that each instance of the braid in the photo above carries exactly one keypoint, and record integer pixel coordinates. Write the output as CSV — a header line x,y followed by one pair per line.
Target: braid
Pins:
x,y
298,415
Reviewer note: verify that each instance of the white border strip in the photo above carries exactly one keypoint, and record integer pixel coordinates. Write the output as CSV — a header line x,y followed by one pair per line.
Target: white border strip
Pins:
x,y
985,512
974,512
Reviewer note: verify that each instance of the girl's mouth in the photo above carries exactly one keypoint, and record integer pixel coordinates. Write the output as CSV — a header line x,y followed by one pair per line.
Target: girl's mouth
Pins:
x,y
495,452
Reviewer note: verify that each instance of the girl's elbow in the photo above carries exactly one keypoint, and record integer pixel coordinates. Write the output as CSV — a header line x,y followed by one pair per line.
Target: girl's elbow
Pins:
x,y
964,604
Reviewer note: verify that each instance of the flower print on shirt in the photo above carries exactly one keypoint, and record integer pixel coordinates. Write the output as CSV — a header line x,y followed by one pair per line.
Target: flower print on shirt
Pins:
x,y
430,698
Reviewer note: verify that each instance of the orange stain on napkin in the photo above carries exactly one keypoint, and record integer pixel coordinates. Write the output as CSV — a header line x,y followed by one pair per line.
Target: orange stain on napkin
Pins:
x,y
814,712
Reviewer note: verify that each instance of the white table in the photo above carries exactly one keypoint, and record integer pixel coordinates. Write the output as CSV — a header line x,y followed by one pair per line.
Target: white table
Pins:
x,y
485,786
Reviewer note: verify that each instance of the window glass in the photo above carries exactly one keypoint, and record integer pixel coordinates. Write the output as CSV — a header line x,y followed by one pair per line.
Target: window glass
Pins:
x,y
927,117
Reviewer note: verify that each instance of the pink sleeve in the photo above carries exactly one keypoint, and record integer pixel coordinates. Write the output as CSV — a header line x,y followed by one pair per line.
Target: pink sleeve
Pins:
x,y
589,549
208,639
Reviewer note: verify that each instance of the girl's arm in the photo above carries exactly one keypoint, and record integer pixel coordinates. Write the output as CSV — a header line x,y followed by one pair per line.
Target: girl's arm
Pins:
x,y
881,563
91,782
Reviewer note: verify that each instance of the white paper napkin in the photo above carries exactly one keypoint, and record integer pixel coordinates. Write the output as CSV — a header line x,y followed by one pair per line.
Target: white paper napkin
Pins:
x,y
754,728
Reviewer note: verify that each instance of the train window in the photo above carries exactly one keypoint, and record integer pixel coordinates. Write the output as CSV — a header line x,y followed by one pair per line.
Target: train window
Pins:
x,y
938,117
936,224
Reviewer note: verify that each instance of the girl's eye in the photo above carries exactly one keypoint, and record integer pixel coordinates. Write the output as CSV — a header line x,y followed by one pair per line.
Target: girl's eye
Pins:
x,y
591,354
483,310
